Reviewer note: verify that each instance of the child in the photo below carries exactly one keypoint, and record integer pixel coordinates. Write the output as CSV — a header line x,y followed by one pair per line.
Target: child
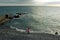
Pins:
x,y
28,30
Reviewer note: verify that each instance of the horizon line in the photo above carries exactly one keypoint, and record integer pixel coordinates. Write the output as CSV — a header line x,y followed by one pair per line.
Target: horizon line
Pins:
x,y
29,4
21,5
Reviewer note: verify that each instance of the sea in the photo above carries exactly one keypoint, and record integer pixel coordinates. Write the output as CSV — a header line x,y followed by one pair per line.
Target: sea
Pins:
x,y
40,19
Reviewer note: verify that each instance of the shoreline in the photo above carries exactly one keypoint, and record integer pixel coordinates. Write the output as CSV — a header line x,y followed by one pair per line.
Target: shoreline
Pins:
x,y
15,35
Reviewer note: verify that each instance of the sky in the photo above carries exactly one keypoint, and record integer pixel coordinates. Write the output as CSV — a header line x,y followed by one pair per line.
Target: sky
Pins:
x,y
29,2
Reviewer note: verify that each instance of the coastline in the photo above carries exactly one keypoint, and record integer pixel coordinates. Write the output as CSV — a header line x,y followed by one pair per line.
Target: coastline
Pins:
x,y
9,34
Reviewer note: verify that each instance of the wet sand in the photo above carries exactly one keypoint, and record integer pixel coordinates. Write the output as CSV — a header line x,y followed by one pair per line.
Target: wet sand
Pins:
x,y
9,34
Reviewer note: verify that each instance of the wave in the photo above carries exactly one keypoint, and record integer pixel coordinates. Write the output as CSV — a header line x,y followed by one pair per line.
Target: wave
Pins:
x,y
31,31
21,30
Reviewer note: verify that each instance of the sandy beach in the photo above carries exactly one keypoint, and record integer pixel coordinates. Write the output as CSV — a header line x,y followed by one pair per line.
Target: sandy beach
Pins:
x,y
9,34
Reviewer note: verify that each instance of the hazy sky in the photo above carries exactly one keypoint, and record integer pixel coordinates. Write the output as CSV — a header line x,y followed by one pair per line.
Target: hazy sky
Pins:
x,y
16,1
38,2
26,1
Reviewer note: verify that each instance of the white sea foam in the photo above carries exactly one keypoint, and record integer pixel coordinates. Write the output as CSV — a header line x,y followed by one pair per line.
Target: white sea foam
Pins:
x,y
31,31
21,30
12,27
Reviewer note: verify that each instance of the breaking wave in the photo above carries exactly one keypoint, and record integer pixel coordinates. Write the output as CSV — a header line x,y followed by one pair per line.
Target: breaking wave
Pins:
x,y
22,30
